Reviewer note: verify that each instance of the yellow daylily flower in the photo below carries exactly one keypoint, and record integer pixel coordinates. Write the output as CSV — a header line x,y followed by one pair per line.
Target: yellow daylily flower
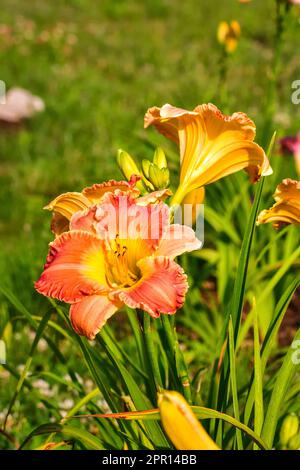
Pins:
x,y
286,209
181,425
228,34
211,144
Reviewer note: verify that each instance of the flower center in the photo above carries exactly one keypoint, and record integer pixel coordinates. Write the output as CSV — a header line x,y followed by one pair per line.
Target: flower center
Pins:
x,y
121,269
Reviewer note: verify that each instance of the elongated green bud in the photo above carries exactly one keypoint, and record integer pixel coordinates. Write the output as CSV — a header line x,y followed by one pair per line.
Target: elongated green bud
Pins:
x,y
159,177
128,167
127,164
289,428
145,167
159,158
294,442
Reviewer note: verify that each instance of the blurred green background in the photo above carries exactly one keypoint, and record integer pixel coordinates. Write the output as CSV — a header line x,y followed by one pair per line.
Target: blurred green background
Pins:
x,y
98,66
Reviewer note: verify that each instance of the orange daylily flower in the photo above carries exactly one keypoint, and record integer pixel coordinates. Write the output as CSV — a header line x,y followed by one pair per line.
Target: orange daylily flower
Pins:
x,y
211,144
228,34
286,209
65,205
118,251
181,425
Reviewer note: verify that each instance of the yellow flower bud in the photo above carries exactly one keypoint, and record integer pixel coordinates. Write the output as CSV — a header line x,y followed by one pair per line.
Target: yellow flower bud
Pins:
x,y
294,442
128,167
145,166
288,429
181,425
159,177
159,158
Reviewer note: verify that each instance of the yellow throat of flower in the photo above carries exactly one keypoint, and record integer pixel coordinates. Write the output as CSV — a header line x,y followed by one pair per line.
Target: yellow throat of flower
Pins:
x,y
121,268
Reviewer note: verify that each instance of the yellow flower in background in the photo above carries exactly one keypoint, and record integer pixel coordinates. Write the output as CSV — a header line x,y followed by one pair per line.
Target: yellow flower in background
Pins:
x,y
228,35
286,209
211,144
181,425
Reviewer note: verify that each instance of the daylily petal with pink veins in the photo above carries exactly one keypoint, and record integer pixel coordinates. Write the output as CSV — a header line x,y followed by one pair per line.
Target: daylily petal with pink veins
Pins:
x,y
84,220
74,268
177,240
161,289
90,314
120,215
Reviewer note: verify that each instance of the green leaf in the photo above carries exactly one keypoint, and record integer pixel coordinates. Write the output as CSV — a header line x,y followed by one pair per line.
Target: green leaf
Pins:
x,y
233,381
89,440
24,373
258,380
283,379
269,341
200,411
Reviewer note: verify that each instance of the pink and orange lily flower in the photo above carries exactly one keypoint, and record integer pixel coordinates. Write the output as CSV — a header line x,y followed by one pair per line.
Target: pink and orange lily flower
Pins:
x,y
119,250
211,145
286,209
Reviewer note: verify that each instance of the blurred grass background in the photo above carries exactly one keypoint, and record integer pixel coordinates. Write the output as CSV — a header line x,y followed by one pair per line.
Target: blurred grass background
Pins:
x,y
98,66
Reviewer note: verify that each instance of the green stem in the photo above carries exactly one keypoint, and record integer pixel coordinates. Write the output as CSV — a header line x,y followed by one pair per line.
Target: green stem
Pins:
x,y
178,196
148,334
176,353
272,98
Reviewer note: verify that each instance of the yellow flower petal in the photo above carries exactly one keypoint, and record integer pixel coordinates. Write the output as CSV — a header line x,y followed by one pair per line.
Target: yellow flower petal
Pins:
x,y
181,425
228,34
211,144
64,206
68,203
223,31
286,210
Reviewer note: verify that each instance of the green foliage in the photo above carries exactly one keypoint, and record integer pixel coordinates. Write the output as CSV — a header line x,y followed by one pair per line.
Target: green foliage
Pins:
x,y
229,351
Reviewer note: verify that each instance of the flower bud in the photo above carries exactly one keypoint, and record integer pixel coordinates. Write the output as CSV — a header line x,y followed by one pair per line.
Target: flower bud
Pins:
x,y
145,167
181,425
294,442
289,428
128,167
159,158
159,177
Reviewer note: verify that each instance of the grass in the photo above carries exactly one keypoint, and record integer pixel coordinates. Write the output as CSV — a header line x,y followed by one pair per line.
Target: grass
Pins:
x,y
98,67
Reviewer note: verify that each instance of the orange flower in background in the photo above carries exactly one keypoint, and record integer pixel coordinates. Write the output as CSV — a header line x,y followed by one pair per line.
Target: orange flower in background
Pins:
x,y
118,251
228,35
211,144
286,209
